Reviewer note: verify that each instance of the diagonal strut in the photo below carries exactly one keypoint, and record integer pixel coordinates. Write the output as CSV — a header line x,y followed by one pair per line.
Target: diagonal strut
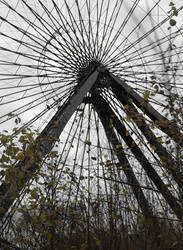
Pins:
x,y
106,112
45,142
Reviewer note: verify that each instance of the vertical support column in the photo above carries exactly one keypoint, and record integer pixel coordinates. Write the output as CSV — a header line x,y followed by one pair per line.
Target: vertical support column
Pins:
x,y
45,142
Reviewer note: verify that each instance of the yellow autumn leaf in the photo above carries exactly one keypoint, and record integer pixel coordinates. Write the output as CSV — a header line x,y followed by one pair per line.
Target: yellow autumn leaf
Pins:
x,y
153,147
129,89
159,140
128,119
127,132
146,95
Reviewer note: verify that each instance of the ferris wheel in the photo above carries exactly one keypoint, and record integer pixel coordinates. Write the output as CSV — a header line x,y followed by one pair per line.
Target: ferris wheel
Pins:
x,y
97,80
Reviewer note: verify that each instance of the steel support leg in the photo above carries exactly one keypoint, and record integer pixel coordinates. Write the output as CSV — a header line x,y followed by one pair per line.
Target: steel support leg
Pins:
x,y
103,107
168,127
105,117
166,158
45,142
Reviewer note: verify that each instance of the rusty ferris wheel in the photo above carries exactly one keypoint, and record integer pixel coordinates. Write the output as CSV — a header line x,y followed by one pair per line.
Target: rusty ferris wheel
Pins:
x,y
98,76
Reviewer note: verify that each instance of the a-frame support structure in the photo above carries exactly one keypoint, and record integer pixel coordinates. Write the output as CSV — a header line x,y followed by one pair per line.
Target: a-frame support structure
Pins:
x,y
113,132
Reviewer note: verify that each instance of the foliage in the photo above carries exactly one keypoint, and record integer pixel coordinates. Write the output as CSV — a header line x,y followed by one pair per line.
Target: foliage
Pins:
x,y
43,221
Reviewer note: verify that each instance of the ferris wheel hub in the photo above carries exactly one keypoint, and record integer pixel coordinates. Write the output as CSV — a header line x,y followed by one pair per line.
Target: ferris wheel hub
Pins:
x,y
86,69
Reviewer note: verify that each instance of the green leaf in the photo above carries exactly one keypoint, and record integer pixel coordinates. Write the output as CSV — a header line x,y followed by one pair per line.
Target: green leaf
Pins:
x,y
175,12
88,143
127,132
146,95
159,139
4,159
128,118
53,154
24,130
10,114
125,192
153,147
172,22
4,139
129,89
